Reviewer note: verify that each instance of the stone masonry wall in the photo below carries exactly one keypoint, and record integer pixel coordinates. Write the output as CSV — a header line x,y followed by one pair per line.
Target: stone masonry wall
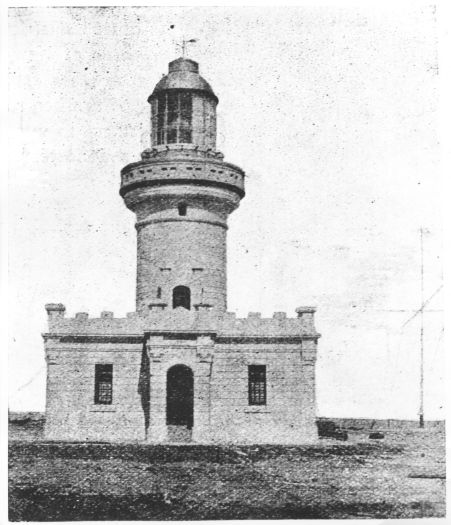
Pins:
x,y
222,413
218,348
221,410
180,252
71,414
289,414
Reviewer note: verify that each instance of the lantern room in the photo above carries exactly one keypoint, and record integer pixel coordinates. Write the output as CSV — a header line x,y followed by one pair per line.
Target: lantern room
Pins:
x,y
183,107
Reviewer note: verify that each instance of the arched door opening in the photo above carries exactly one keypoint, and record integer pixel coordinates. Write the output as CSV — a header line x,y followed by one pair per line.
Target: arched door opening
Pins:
x,y
180,397
181,296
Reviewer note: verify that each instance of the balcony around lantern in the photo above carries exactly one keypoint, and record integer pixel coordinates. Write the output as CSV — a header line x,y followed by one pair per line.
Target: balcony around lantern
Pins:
x,y
182,163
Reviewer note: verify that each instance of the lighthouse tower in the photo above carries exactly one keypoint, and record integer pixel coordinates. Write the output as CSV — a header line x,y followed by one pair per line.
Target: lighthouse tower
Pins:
x,y
182,193
181,368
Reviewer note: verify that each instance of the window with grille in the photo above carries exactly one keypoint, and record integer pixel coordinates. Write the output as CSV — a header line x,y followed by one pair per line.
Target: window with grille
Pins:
x,y
257,384
103,390
172,116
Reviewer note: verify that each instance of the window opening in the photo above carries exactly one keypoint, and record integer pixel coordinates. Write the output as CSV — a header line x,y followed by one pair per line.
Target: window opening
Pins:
x,y
159,292
181,296
103,390
257,384
182,209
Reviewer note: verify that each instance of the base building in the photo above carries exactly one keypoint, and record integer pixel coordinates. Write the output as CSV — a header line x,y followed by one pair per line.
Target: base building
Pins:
x,y
181,368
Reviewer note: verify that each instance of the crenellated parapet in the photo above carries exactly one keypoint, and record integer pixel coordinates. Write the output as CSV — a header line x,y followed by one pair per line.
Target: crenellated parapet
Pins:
x,y
180,320
82,323
279,325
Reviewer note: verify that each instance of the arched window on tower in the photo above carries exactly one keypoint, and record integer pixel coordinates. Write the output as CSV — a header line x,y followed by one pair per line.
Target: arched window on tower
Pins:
x,y
181,296
172,116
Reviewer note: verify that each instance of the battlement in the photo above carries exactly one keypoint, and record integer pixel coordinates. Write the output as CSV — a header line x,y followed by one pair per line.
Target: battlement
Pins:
x,y
181,320
276,326
81,323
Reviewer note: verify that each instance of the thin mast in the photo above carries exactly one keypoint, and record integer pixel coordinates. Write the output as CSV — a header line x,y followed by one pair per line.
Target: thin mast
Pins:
x,y
421,335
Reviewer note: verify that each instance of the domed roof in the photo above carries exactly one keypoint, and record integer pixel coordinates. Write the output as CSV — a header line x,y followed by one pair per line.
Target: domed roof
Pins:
x,y
183,74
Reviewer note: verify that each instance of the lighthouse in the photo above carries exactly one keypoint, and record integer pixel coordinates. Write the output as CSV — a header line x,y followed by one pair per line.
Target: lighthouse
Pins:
x,y
182,367
182,193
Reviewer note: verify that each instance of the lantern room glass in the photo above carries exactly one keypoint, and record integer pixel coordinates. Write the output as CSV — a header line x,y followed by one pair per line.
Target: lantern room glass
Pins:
x,y
172,117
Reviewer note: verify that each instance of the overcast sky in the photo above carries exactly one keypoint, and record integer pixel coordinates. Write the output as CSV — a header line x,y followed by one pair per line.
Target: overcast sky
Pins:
x,y
332,113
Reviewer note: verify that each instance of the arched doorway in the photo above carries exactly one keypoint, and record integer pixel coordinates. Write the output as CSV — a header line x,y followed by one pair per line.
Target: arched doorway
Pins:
x,y
180,397
181,296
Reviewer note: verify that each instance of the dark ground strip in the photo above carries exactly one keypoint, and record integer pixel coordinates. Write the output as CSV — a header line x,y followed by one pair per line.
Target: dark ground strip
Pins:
x,y
32,505
329,480
178,453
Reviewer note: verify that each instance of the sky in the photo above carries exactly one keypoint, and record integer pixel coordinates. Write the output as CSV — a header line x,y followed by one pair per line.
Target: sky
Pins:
x,y
332,113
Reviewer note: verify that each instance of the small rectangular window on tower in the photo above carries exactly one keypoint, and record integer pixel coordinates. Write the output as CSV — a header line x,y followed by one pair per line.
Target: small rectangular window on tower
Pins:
x,y
103,389
257,384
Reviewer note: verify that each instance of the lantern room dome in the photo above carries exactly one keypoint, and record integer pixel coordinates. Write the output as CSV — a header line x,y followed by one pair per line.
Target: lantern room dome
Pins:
x,y
183,74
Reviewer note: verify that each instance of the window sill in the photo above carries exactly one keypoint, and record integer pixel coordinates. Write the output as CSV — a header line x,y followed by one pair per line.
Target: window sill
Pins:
x,y
102,408
262,409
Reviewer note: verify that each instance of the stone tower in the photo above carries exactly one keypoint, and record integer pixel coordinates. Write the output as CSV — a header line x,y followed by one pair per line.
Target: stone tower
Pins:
x,y
182,193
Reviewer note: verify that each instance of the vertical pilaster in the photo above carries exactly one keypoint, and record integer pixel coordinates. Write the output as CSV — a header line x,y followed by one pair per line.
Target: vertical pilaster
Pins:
x,y
308,393
202,390
157,412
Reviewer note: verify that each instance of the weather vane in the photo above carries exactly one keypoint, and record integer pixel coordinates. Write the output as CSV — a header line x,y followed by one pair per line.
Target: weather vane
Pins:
x,y
184,43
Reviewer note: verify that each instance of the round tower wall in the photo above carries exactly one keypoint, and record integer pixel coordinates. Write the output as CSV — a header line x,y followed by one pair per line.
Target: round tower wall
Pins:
x,y
182,251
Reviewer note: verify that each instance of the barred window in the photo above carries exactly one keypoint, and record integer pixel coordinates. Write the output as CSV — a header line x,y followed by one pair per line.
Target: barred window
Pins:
x,y
257,384
172,117
103,390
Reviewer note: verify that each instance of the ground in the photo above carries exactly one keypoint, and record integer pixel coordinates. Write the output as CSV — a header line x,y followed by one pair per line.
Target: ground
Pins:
x,y
401,476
